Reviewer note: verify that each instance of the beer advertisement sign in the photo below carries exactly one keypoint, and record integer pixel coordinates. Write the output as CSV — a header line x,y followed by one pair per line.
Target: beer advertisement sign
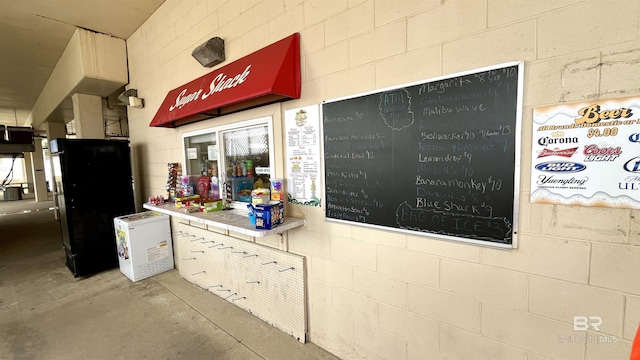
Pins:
x,y
587,154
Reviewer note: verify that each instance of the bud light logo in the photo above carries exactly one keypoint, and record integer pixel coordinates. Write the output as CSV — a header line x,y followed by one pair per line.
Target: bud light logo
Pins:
x,y
558,166
633,165
634,137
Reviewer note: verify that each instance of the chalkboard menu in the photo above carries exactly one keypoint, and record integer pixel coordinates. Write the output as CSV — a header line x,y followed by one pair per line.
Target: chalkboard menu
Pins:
x,y
438,157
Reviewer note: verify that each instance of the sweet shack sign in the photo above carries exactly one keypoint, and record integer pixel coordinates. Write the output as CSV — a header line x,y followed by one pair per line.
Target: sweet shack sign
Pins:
x,y
268,75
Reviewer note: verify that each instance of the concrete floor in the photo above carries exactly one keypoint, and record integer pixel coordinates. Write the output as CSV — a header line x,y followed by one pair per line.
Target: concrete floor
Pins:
x,y
45,313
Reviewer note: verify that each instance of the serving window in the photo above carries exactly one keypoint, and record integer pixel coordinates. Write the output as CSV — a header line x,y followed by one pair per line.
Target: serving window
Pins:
x,y
240,155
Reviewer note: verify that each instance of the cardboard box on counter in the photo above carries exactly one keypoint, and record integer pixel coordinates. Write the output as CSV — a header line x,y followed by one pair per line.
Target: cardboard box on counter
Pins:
x,y
181,201
269,215
211,205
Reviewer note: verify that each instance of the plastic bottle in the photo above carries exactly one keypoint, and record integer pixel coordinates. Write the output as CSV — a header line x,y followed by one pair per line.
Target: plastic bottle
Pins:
x,y
249,164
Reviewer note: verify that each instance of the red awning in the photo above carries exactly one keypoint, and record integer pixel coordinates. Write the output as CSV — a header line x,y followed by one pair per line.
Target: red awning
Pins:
x,y
268,75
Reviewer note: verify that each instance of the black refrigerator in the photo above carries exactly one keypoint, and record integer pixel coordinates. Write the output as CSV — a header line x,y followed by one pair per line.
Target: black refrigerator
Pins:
x,y
93,186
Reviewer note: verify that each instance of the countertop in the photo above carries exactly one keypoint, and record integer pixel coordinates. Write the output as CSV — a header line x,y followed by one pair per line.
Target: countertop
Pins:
x,y
235,220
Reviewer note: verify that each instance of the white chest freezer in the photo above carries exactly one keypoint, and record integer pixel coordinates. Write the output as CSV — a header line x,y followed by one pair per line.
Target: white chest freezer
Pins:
x,y
144,244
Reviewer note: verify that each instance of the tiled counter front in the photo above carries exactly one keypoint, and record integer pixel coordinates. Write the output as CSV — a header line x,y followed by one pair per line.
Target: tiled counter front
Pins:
x,y
267,282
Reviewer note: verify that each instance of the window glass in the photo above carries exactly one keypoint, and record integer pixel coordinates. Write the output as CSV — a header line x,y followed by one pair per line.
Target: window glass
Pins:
x,y
238,154
201,155
247,160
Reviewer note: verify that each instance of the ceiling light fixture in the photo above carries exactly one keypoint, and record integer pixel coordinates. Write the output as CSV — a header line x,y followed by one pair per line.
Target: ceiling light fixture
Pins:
x,y
130,97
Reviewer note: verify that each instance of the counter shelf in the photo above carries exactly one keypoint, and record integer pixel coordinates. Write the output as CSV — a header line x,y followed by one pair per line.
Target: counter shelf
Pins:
x,y
234,220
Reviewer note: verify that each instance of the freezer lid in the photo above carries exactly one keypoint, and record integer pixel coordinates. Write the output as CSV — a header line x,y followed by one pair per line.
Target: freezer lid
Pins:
x,y
143,217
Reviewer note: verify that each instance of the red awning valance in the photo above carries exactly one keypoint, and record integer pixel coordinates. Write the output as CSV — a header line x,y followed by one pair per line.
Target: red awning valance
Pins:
x,y
268,75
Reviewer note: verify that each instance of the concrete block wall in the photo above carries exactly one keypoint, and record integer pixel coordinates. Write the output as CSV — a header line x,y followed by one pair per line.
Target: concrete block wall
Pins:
x,y
383,295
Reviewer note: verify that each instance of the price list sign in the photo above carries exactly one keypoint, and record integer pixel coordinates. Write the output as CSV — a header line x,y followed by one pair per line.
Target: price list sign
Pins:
x,y
303,155
587,154
437,158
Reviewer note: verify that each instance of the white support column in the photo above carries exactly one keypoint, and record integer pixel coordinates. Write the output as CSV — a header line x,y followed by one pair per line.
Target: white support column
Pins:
x,y
28,172
87,112
55,130
39,180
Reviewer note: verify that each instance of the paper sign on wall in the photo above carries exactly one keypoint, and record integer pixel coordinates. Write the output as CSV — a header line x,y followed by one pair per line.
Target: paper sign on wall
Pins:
x,y
587,154
192,153
303,155
212,152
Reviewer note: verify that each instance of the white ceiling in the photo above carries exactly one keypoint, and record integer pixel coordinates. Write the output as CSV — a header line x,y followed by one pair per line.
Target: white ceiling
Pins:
x,y
34,33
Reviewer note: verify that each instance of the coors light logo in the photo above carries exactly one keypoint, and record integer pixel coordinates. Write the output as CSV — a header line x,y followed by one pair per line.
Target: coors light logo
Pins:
x,y
594,152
